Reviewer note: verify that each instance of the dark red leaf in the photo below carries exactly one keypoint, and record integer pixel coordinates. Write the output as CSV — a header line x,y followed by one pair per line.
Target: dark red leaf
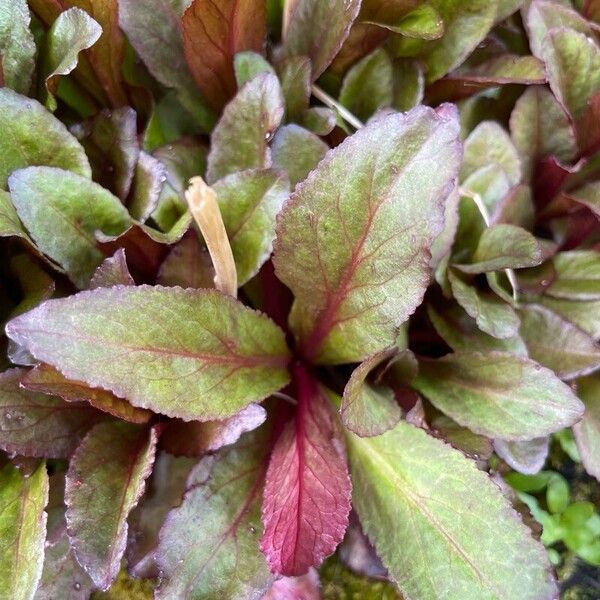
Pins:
x,y
307,492
213,32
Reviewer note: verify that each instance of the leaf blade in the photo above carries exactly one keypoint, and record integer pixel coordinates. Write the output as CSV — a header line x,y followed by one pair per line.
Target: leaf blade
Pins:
x,y
229,347
332,228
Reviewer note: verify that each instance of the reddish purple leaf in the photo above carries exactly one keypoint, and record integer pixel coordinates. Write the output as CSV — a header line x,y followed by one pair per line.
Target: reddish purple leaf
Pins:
x,y
33,424
213,32
307,492
113,271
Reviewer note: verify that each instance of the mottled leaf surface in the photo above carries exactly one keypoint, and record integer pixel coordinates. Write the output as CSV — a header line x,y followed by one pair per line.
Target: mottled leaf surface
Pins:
x,y
297,151
498,394
17,46
587,431
557,344
460,331
35,424
354,239
249,202
318,30
573,65
186,353
504,246
490,144
213,32
307,491
222,508
22,531
242,143
368,408
63,212
577,275
526,457
104,482
492,315
429,509
33,136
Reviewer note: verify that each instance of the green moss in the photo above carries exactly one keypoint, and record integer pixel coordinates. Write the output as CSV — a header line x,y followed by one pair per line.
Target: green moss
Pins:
x,y
127,588
339,583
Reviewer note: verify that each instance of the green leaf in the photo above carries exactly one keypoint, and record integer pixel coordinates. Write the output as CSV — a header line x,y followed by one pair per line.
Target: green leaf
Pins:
x,y
114,134
17,46
34,424
104,482
150,176
498,394
460,331
472,445
586,315
489,144
154,30
63,212
73,31
36,285
354,239
539,127
577,275
368,85
587,431
164,349
466,24
370,409
543,16
33,136
573,66
557,493
222,508
319,119
557,344
239,141
248,65
10,226
504,247
294,74
297,151
318,29
428,508
492,314
409,84
424,22
525,457
22,531
249,202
